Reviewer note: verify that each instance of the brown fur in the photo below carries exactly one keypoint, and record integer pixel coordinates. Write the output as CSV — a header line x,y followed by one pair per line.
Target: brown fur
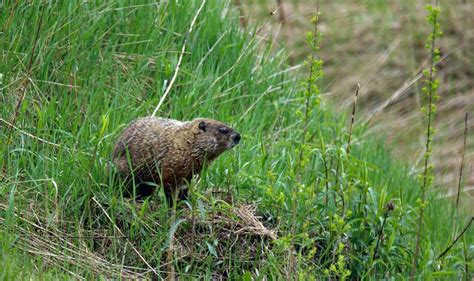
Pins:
x,y
168,152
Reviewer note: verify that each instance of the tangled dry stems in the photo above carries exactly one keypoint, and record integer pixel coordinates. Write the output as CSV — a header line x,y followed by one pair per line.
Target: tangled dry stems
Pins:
x,y
238,226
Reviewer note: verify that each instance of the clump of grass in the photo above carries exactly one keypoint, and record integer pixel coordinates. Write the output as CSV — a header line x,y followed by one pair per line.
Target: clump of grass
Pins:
x,y
430,90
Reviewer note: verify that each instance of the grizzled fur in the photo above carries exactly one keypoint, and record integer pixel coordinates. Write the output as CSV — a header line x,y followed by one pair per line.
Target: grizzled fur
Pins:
x,y
157,151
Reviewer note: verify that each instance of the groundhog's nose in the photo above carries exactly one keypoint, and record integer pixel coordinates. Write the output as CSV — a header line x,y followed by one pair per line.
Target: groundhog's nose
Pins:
x,y
235,138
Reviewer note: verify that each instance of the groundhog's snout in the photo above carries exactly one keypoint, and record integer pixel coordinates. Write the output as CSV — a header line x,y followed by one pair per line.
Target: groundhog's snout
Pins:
x,y
236,138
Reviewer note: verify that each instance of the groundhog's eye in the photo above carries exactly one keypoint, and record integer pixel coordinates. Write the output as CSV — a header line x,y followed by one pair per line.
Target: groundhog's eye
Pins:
x,y
202,126
223,130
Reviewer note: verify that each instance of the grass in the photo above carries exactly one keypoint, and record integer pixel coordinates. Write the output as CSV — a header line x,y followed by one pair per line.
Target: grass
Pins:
x,y
90,68
380,44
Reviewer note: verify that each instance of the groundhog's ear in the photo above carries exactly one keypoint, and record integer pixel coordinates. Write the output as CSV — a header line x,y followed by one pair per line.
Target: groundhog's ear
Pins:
x,y
202,126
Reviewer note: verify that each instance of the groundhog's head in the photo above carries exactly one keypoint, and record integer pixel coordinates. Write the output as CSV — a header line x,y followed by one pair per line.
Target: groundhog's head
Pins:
x,y
214,137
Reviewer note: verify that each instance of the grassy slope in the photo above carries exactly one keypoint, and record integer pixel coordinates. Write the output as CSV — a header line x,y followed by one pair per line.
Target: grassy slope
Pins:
x,y
95,67
380,44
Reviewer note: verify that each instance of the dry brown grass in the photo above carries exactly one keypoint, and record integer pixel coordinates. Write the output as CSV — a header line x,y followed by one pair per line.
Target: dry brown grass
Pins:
x,y
380,44
59,246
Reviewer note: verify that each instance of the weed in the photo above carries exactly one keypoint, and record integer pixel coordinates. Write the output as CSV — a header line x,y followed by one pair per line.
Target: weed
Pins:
x,y
430,88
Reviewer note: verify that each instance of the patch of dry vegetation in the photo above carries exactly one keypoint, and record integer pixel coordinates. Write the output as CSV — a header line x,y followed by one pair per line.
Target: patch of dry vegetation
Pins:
x,y
236,230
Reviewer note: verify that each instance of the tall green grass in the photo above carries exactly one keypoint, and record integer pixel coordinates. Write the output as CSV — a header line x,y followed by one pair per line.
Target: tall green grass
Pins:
x,y
74,74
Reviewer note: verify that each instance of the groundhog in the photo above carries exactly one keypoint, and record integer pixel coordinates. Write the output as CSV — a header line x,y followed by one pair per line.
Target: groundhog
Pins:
x,y
163,152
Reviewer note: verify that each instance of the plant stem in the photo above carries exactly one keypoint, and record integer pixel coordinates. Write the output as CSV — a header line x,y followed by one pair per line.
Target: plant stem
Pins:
x,y
457,238
462,161
352,119
427,155
379,236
